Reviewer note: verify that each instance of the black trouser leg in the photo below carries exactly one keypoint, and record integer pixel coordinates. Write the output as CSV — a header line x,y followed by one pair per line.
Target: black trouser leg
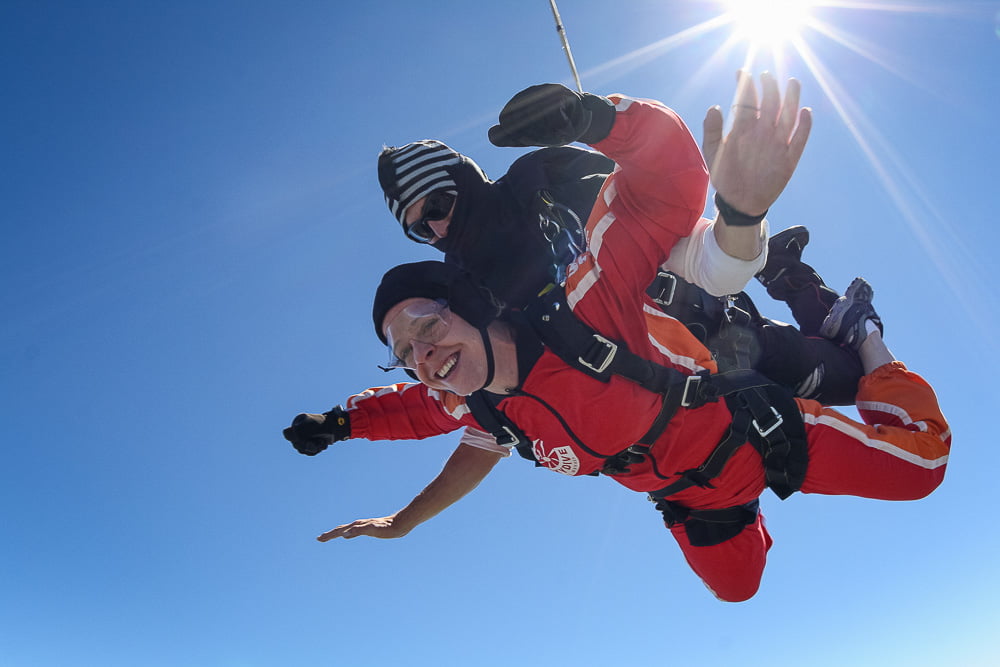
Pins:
x,y
806,294
813,368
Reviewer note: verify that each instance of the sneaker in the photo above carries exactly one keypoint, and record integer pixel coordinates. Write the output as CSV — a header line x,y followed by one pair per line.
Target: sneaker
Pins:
x,y
846,322
784,251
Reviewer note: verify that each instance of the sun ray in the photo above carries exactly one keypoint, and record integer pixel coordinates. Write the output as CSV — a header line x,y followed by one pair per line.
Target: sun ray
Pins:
x,y
892,173
644,54
704,72
867,51
955,9
908,197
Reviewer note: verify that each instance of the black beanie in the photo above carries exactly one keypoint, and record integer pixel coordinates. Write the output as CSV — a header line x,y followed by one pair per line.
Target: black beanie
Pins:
x,y
434,280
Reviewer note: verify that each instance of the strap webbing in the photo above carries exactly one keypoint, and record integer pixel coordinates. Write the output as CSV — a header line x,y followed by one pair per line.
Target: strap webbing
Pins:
x,y
503,430
749,396
586,350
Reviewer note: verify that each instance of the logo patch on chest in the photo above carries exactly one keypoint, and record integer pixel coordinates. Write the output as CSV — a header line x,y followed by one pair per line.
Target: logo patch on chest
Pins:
x,y
560,459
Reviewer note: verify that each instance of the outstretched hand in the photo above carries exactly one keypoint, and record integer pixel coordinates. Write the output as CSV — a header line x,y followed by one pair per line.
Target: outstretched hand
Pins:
x,y
384,528
753,163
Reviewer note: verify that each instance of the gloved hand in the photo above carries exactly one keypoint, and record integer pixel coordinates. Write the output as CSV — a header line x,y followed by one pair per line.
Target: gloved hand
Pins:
x,y
551,114
310,434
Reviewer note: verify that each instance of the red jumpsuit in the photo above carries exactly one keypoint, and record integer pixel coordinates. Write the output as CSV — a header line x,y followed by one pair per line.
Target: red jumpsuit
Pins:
x,y
574,421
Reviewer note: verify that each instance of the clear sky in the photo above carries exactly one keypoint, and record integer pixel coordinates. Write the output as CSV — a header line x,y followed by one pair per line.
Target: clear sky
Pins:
x,y
192,231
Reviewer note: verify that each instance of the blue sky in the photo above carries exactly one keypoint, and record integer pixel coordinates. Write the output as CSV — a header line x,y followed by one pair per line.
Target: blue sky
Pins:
x,y
192,232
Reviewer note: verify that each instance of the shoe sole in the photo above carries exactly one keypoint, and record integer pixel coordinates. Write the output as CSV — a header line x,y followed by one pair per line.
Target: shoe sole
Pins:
x,y
860,294
797,234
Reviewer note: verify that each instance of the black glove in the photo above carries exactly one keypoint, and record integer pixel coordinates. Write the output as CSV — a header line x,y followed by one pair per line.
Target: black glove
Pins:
x,y
551,114
310,434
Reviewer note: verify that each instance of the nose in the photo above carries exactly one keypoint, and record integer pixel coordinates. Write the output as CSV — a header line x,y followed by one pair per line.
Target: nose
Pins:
x,y
440,227
421,351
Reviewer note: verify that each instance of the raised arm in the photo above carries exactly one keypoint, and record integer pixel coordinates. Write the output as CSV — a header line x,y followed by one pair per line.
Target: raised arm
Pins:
x,y
463,472
753,163
654,197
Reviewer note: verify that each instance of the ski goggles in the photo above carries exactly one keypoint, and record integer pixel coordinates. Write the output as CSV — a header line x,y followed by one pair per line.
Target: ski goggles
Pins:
x,y
437,206
426,322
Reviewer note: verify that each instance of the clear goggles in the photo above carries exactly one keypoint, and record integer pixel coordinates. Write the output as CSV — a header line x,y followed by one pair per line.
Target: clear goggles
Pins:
x,y
425,322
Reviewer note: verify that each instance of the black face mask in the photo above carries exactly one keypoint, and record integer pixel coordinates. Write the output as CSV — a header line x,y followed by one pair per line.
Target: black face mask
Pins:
x,y
495,238
475,199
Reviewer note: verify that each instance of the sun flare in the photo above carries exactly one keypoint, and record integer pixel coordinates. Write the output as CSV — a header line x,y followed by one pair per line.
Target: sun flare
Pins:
x,y
768,23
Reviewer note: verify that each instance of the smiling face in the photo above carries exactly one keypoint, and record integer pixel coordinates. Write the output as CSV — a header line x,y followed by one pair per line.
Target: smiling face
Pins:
x,y
445,355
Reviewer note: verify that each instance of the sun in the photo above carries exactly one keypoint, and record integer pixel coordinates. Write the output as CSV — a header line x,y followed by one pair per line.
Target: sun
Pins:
x,y
768,23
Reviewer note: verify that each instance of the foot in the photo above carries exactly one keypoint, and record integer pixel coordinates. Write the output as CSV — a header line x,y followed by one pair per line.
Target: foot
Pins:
x,y
847,322
784,251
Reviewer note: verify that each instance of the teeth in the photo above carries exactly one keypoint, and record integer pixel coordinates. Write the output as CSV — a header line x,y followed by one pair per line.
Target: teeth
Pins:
x,y
448,365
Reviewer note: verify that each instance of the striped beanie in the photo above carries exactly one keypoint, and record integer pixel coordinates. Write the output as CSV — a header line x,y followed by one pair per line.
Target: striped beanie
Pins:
x,y
413,171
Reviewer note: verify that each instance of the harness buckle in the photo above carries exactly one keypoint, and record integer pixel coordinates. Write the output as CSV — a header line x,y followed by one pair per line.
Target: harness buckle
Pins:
x,y
663,297
692,382
733,313
508,439
608,350
764,432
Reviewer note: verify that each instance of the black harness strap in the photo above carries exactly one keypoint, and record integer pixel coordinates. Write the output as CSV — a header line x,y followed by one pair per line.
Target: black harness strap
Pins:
x,y
503,430
707,528
776,432
763,413
779,437
588,351
725,325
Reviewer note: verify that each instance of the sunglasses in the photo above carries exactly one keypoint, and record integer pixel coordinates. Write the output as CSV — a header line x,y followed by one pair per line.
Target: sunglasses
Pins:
x,y
437,206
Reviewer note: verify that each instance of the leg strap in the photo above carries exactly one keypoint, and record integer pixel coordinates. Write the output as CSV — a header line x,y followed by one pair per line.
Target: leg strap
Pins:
x,y
706,528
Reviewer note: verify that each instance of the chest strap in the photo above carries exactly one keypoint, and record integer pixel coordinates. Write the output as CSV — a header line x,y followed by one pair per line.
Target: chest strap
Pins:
x,y
502,428
590,352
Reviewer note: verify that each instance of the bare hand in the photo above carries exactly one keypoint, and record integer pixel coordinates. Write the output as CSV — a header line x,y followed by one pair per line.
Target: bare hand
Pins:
x,y
753,163
383,528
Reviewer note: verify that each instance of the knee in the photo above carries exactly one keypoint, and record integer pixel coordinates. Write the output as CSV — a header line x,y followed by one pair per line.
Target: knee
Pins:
x,y
735,592
929,486
916,487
